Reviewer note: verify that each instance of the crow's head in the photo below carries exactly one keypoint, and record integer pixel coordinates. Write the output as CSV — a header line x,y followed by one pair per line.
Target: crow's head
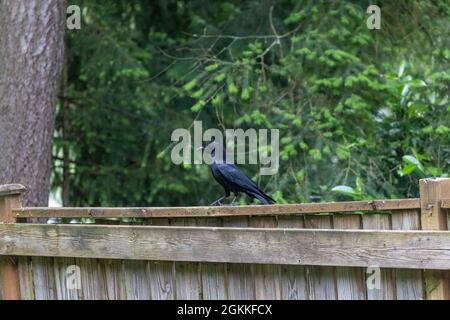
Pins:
x,y
215,149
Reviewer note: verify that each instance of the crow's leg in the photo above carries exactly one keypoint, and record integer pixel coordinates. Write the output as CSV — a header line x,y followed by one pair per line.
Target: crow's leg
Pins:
x,y
218,202
236,195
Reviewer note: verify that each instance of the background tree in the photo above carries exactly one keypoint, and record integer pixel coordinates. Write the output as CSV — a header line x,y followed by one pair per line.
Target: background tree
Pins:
x,y
31,55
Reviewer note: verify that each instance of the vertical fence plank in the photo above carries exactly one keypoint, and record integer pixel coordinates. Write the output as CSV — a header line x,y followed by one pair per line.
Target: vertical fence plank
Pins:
x,y
433,217
350,282
293,278
321,281
213,275
241,284
43,278
267,276
161,273
91,286
136,280
409,282
161,276
187,274
386,291
63,292
26,278
112,272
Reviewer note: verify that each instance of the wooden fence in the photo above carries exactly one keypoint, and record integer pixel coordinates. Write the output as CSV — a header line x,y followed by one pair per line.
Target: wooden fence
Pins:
x,y
296,251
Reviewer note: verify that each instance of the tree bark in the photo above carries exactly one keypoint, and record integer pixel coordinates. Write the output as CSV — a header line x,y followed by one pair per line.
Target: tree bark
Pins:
x,y
31,59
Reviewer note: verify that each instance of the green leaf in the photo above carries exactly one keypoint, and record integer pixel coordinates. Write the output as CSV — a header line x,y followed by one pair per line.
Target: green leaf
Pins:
x,y
232,89
345,190
212,67
190,85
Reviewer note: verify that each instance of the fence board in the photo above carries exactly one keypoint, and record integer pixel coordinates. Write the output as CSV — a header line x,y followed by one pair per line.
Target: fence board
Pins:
x,y
387,283
43,278
162,281
241,283
320,281
112,272
161,274
350,282
26,278
293,278
187,274
221,211
92,288
402,249
267,276
213,275
64,292
409,283
136,280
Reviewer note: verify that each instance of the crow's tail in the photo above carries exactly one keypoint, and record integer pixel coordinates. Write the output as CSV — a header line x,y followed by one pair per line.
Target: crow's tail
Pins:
x,y
261,196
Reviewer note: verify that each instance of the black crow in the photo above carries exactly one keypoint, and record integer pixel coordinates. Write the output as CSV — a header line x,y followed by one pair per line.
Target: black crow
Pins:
x,y
231,178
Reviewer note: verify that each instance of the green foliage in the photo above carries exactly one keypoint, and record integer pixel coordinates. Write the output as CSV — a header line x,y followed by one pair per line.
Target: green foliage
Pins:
x,y
362,113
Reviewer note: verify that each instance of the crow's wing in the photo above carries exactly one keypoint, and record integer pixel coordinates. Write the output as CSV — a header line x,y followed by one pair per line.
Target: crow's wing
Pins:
x,y
233,175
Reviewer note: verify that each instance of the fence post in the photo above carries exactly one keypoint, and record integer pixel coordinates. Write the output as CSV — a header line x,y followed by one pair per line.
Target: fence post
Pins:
x,y
10,197
433,217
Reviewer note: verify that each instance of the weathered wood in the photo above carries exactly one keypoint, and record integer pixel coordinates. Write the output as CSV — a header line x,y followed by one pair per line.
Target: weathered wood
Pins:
x,y
267,276
64,292
112,271
321,282
409,283
241,283
187,274
445,203
136,281
162,281
223,211
44,283
434,217
26,278
213,275
10,197
387,283
293,278
350,282
398,249
10,189
92,288
161,274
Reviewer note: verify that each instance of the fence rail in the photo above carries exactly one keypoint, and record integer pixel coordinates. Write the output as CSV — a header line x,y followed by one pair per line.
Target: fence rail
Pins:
x,y
254,210
357,248
295,251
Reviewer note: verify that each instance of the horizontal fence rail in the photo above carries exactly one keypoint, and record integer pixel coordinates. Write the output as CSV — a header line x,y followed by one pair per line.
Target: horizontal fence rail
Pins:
x,y
391,249
222,211
445,203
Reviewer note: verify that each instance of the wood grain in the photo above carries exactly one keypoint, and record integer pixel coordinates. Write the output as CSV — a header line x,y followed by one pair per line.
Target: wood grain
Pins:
x,y
241,283
350,282
223,211
434,217
213,275
321,281
387,282
267,276
409,283
401,249
293,278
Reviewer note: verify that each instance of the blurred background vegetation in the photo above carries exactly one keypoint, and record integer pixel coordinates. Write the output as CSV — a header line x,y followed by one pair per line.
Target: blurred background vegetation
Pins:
x,y
362,113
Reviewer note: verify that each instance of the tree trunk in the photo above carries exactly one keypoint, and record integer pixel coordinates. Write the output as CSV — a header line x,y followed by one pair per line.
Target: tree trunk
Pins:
x,y
31,59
